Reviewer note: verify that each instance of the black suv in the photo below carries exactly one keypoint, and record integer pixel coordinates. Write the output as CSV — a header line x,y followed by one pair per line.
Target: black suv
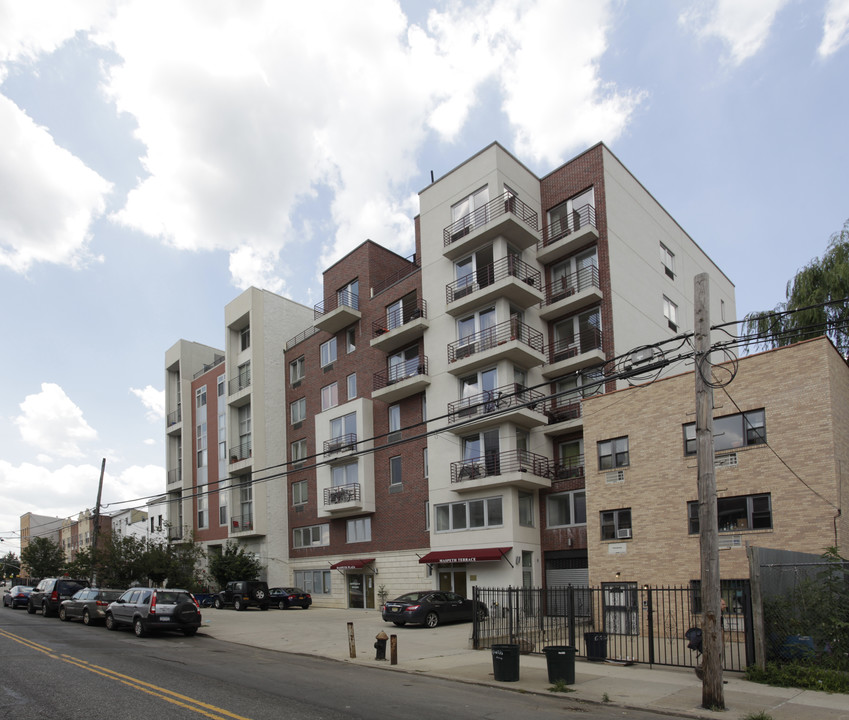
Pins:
x,y
151,609
242,594
50,593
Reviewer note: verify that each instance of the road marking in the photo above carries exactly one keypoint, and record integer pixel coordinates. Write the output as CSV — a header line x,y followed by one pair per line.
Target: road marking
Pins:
x,y
175,698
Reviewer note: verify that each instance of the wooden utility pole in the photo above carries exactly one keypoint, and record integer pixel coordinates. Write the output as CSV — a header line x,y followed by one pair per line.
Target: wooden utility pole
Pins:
x,y
96,529
712,692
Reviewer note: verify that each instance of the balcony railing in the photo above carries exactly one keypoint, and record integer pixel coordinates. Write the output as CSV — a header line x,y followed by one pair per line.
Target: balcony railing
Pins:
x,y
174,475
500,463
490,401
571,284
401,371
342,443
242,451
510,266
216,360
342,494
588,339
568,224
568,468
175,532
242,523
397,276
240,382
343,298
562,411
494,336
301,336
398,318
506,203
175,416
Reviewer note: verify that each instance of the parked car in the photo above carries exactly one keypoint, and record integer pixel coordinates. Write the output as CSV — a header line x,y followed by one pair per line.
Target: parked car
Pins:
x,y
50,592
432,607
149,610
17,596
241,594
89,604
287,597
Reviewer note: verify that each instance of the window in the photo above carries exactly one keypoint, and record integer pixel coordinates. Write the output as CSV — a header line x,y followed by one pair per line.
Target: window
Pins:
x,y
567,508
244,430
471,210
203,514
744,512
358,530
474,330
298,410
573,275
472,514
312,536
572,215
349,295
350,340
315,582
615,524
329,396
526,509
221,385
667,259
297,370
345,425
424,407
245,338
299,452
424,461
394,418
222,437
403,364
613,453
731,591
243,379
670,312
472,273
200,397
352,386
395,470
578,334
427,516
731,432
201,446
223,492
344,474
477,391
328,352
300,492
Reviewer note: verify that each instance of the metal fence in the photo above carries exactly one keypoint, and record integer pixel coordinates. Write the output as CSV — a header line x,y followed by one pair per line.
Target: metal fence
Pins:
x,y
616,622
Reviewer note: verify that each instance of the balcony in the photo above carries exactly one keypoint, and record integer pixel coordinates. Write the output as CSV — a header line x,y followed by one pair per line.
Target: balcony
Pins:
x,y
403,380
243,525
337,312
510,403
343,499
568,469
563,415
514,468
559,241
570,356
510,340
174,420
570,293
506,215
241,456
342,443
399,329
174,476
509,278
238,389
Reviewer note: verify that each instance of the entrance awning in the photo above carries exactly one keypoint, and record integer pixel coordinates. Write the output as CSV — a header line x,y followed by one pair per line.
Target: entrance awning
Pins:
x,y
464,556
351,564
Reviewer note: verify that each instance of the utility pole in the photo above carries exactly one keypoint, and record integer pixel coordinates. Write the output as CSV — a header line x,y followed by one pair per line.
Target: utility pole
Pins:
x,y
712,691
95,530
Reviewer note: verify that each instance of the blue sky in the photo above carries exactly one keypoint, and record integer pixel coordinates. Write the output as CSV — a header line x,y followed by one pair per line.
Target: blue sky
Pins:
x,y
158,158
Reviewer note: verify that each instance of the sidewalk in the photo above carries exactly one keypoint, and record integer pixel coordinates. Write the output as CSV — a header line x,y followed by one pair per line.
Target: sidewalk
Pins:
x,y
445,652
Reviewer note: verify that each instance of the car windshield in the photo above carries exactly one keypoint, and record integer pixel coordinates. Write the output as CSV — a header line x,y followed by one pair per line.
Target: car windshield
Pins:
x,y
413,596
172,597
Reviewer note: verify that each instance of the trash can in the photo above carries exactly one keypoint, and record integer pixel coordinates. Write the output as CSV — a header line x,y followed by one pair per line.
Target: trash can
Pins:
x,y
505,663
561,663
596,645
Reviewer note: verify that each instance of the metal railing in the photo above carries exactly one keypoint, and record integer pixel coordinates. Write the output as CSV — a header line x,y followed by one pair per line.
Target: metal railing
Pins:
x,y
510,266
506,203
564,226
401,371
301,336
618,621
175,416
588,339
216,360
240,382
397,276
398,318
494,336
563,410
568,468
342,494
489,401
498,463
241,451
174,475
341,443
571,284
343,298
242,523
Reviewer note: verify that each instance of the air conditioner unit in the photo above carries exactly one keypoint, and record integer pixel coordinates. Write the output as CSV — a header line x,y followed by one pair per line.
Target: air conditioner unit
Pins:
x,y
623,533
617,476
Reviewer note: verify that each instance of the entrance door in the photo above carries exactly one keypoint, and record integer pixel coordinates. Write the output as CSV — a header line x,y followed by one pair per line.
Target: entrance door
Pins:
x,y
361,590
620,608
453,580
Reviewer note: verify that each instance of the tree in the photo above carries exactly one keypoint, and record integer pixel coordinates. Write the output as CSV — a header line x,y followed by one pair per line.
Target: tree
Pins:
x,y
82,564
43,557
816,302
10,565
234,563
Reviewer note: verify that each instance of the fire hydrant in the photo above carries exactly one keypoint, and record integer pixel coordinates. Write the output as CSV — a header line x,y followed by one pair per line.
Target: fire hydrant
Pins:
x,y
380,645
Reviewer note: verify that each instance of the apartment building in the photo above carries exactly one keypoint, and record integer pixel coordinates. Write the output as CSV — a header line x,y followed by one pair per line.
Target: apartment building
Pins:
x,y
781,442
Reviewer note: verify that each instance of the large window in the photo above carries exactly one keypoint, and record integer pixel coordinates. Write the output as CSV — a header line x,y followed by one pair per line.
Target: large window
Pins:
x,y
395,476
223,492
315,582
298,410
731,432
349,295
200,397
670,312
300,492
245,338
403,364
574,274
345,425
352,386
469,515
297,370
615,524
476,332
344,474
526,509
312,536
329,396
358,530
613,453
578,334
571,215
299,452
744,512
394,418
471,210
667,259
202,456
328,352
566,508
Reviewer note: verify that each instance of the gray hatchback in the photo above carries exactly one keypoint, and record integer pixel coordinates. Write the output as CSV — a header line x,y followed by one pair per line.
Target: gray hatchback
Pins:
x,y
89,604
148,610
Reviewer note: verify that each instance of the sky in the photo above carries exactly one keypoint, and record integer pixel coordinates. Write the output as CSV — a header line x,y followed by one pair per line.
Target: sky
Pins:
x,y
158,158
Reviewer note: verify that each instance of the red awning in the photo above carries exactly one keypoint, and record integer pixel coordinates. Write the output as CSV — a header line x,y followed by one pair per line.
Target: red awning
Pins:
x,y
351,564
464,556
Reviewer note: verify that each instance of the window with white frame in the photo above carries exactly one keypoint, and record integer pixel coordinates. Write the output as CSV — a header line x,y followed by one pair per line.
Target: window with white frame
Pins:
x,y
298,410
201,439
566,508
743,512
571,215
200,397
395,477
244,413
244,375
358,530
299,452
312,536
327,352
615,524
350,340
344,425
346,474
613,453
297,370
526,509
352,386
473,272
667,259
222,437
670,312
471,211
731,432
403,364
394,418
203,511
221,385
329,396
245,338
574,274
424,461
223,494
349,295
577,334
314,582
300,492
469,515
476,332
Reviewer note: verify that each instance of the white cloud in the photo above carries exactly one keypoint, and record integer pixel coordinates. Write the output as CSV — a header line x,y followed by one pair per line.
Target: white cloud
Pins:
x,y
743,25
836,27
51,422
153,400
249,266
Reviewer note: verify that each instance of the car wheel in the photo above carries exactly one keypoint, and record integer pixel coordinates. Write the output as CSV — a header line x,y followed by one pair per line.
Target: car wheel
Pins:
x,y
86,618
258,594
237,604
45,610
188,632
31,608
431,620
398,623
218,604
138,628
63,615
110,622
281,605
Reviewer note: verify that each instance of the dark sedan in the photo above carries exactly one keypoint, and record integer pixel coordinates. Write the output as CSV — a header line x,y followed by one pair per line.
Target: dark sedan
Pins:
x,y
17,596
287,597
432,607
89,604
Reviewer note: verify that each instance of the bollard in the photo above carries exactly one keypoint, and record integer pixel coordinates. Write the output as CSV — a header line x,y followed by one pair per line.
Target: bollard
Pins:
x,y
393,649
380,645
352,646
